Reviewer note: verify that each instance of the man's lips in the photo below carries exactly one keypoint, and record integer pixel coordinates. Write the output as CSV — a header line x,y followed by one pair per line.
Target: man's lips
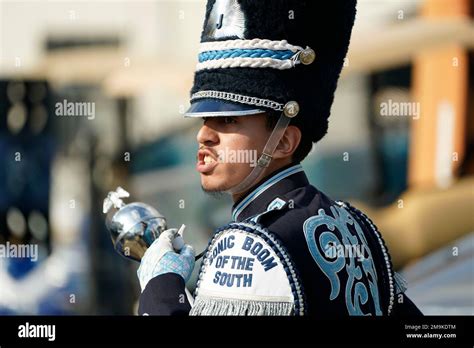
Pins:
x,y
206,161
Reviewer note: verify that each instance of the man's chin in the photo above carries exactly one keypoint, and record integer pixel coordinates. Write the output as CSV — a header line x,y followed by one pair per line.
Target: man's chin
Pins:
x,y
213,188
214,192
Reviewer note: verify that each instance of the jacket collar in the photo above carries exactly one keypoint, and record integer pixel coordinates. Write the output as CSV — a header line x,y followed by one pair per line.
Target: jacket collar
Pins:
x,y
278,183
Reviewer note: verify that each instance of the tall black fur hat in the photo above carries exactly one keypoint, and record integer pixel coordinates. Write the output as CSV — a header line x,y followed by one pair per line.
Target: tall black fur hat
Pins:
x,y
257,55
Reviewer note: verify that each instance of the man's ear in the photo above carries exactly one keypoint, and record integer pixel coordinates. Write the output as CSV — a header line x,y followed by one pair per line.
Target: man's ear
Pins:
x,y
288,143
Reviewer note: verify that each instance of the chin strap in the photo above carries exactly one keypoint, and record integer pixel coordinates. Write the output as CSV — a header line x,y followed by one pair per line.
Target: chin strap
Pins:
x,y
290,110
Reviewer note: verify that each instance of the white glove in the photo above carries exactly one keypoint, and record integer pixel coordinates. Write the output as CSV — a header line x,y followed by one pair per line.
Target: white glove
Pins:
x,y
161,258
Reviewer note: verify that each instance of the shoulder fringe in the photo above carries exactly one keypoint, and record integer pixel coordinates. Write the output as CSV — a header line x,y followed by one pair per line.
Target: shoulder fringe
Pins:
x,y
223,306
400,283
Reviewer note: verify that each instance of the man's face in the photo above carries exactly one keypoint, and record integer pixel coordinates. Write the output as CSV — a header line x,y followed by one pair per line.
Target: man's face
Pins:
x,y
229,149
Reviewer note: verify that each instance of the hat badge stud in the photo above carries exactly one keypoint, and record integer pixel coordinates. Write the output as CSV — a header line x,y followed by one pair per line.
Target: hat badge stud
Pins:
x,y
291,109
307,56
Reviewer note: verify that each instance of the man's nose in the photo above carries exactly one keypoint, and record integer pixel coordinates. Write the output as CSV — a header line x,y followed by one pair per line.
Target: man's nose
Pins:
x,y
207,135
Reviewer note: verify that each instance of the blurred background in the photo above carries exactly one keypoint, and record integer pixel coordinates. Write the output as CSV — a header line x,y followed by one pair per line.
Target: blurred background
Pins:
x,y
399,147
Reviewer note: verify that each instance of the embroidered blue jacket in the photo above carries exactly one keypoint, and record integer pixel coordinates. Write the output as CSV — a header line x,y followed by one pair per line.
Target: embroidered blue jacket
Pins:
x,y
341,261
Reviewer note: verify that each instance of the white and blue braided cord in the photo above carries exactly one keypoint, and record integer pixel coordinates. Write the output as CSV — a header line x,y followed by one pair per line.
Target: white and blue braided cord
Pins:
x,y
254,53
247,53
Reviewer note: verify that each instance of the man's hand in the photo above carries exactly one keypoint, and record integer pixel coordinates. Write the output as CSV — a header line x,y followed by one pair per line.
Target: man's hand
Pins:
x,y
161,258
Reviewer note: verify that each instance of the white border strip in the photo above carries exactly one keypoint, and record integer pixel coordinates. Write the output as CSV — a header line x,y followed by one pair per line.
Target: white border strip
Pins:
x,y
247,63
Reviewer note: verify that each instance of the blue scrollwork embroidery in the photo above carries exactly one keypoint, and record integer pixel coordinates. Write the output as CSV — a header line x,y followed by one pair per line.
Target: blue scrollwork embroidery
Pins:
x,y
356,293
